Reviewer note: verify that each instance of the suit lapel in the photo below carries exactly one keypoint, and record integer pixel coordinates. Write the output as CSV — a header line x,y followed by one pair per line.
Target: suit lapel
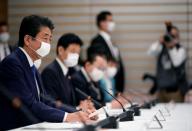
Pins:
x,y
108,48
27,70
65,83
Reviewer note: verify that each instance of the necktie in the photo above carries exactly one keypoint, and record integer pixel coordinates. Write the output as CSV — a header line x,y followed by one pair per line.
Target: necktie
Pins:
x,y
34,70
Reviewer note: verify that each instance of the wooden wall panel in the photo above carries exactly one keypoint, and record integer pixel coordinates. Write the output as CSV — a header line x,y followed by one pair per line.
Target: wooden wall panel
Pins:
x,y
139,23
3,10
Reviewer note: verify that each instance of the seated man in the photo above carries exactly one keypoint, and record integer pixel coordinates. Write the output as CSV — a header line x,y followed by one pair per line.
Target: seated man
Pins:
x,y
21,78
56,76
87,78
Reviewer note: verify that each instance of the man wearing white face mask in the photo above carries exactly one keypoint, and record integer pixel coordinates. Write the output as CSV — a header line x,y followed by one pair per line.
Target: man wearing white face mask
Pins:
x,y
5,48
20,76
90,74
56,76
106,26
86,79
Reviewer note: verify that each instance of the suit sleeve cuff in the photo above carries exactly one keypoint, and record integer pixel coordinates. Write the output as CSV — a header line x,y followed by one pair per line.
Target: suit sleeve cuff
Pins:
x,y
108,105
65,117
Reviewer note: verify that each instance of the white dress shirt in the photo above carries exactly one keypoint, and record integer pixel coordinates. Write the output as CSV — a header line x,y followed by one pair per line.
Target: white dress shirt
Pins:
x,y
65,71
31,64
177,56
63,67
4,51
114,50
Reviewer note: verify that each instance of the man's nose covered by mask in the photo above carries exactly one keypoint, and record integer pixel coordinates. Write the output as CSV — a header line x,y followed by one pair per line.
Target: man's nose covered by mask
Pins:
x,y
72,59
96,74
110,26
43,50
4,37
111,72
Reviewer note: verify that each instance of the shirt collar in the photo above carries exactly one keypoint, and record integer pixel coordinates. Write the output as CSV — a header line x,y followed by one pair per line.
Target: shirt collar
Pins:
x,y
105,35
28,57
63,67
85,74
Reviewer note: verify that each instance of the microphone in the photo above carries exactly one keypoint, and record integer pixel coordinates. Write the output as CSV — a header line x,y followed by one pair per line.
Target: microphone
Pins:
x,y
64,106
146,105
93,100
135,107
110,122
126,115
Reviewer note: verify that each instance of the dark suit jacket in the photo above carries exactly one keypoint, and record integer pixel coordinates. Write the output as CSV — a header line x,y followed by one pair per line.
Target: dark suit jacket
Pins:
x,y
102,46
17,76
57,85
15,116
79,81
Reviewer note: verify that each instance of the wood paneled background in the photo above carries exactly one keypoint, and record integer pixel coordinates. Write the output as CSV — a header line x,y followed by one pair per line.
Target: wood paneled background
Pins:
x,y
139,23
3,10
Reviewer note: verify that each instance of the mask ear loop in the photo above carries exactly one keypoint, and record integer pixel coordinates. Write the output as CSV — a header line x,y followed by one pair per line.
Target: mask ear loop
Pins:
x,y
34,51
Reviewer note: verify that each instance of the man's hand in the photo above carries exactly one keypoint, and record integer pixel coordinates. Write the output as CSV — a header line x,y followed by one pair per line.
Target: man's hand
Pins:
x,y
115,105
188,96
88,107
78,117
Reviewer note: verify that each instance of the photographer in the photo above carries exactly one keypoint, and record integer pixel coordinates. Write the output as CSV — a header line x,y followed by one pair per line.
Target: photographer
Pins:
x,y
170,80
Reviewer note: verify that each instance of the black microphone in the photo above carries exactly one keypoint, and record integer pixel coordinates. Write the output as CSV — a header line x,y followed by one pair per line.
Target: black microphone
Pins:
x,y
146,105
126,115
135,107
93,100
52,100
110,122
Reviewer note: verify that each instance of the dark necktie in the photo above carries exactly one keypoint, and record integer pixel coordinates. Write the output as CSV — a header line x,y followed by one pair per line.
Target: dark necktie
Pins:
x,y
34,70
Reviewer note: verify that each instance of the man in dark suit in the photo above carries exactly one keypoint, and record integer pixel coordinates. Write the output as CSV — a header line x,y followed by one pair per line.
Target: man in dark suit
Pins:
x,y
86,79
21,78
5,48
14,109
56,76
106,25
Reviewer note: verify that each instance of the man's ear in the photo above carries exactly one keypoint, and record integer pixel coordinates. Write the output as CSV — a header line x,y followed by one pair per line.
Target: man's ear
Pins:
x,y
103,24
88,65
27,40
60,50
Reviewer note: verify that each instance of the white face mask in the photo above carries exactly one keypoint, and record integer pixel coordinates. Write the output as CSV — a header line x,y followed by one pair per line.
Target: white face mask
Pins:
x,y
110,26
72,59
37,63
96,74
43,50
4,37
111,71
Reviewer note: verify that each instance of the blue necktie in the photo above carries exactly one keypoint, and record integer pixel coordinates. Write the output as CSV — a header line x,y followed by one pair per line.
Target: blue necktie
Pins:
x,y
34,70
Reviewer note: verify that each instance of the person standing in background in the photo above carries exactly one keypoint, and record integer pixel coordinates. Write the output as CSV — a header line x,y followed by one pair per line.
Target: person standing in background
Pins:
x,y
106,26
5,48
170,80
